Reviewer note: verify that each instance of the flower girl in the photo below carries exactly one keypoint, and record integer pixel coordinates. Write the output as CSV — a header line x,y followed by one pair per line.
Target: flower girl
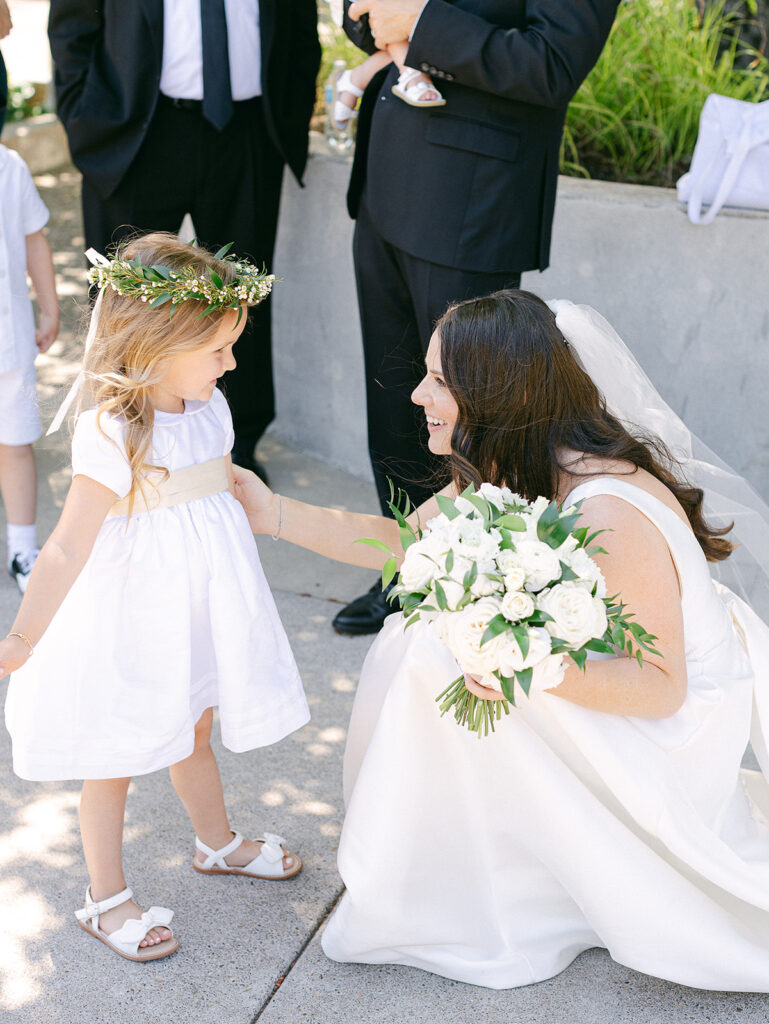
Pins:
x,y
148,606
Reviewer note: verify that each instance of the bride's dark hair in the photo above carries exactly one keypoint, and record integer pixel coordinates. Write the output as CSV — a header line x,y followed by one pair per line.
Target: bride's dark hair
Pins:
x,y
523,398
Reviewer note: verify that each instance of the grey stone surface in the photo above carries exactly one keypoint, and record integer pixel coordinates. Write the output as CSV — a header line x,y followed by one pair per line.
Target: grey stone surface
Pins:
x,y
593,990
41,142
237,936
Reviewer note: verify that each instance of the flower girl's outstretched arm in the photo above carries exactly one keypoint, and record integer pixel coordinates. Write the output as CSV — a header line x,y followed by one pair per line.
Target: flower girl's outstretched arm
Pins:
x,y
328,531
57,567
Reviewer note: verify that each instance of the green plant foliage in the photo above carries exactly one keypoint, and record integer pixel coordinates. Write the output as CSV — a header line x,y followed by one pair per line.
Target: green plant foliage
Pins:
x,y
636,116
24,101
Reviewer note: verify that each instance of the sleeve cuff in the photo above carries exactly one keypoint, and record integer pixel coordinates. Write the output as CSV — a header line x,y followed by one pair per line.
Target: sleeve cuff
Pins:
x,y
414,26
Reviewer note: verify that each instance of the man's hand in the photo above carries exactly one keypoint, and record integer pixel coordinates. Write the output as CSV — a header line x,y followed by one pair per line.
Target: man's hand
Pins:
x,y
5,20
391,21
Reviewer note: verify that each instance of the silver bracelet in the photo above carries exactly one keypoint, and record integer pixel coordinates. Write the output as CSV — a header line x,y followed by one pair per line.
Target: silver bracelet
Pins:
x,y
276,535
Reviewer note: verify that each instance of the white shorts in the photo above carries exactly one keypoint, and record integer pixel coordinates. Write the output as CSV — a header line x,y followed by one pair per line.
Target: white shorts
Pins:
x,y
19,412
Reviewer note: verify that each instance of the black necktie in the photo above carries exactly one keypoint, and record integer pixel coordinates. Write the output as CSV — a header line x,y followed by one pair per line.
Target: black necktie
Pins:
x,y
217,94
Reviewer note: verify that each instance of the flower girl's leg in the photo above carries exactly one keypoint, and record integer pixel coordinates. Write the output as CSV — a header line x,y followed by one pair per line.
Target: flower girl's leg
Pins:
x,y
198,784
102,810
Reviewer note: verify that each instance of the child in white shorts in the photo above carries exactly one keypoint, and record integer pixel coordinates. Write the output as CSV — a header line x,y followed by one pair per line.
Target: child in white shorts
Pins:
x,y
23,250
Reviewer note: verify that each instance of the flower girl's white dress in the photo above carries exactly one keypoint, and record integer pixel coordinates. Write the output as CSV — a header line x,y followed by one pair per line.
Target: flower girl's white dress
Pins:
x,y
170,615
497,861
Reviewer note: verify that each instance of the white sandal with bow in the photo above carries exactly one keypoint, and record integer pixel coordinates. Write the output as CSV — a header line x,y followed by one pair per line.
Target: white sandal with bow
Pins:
x,y
411,87
343,113
268,864
125,941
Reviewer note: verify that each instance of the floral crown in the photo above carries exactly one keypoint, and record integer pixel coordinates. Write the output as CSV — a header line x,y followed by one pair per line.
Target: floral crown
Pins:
x,y
157,284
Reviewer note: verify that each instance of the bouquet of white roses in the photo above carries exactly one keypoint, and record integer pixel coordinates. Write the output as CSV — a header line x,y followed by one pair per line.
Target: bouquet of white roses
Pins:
x,y
511,588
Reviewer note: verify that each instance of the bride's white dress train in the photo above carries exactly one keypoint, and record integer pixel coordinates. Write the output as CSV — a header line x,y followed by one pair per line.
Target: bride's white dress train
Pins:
x,y
497,861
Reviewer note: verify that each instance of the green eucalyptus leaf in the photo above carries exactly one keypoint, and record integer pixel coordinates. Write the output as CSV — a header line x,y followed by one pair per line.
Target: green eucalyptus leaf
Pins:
x,y
388,571
521,634
447,506
374,543
508,687
499,624
524,679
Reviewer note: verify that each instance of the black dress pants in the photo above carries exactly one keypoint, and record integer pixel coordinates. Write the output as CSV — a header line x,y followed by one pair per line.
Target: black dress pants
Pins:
x,y
400,298
229,182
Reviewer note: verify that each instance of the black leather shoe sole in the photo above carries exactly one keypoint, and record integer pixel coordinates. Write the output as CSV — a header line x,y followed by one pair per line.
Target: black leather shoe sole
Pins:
x,y
366,614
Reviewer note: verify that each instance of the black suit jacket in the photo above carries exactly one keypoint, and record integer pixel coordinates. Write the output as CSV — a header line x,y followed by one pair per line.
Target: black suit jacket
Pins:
x,y
108,56
472,184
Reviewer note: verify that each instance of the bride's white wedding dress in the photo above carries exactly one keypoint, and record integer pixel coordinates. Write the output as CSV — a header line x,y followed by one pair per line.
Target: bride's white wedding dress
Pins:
x,y
497,861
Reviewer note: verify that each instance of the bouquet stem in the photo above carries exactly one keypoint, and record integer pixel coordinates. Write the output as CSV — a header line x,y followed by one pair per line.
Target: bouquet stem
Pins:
x,y
477,714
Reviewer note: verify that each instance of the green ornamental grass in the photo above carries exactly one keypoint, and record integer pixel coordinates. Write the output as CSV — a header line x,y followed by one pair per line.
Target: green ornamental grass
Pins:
x,y
636,116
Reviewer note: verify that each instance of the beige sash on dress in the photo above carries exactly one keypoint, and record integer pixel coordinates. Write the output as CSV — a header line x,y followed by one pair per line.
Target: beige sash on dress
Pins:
x,y
179,487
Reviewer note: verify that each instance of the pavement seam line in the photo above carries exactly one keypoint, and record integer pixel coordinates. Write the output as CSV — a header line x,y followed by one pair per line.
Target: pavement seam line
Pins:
x,y
287,972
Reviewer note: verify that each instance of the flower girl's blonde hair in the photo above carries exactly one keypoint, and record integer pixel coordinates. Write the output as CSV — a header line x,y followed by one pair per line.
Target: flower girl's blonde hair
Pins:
x,y
133,344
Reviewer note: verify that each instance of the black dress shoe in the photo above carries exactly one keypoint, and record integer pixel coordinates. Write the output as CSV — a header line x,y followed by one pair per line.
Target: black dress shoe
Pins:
x,y
246,461
366,614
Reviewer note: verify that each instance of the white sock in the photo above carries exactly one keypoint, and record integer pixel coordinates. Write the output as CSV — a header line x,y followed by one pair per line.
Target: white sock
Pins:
x,y
22,540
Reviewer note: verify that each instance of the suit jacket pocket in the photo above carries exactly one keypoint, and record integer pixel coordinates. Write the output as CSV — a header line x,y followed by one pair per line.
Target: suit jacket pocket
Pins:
x,y
473,137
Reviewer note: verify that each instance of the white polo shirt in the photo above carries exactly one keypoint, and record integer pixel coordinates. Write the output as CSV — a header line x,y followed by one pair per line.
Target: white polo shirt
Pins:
x,y
22,213
181,75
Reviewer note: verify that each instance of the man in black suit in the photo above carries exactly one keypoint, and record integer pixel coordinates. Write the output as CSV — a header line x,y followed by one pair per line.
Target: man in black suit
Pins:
x,y
452,202
191,106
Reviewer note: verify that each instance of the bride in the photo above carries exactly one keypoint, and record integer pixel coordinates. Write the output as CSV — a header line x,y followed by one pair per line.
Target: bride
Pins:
x,y
610,811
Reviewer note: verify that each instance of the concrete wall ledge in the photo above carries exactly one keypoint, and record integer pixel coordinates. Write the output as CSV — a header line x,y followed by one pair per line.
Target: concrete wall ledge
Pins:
x,y
40,141
692,302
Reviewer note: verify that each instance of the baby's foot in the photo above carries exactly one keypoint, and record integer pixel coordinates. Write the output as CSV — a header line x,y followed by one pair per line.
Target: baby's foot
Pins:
x,y
350,101
428,95
113,919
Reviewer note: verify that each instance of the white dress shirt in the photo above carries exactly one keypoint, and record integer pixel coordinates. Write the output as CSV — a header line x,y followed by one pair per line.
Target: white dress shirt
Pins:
x,y
182,71
22,213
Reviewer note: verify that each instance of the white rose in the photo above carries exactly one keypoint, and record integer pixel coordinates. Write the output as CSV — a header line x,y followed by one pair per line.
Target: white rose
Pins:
x,y
493,495
464,632
465,507
417,570
511,498
506,561
484,587
538,561
459,569
440,534
440,624
454,592
510,658
577,615
515,578
548,673
516,605
583,565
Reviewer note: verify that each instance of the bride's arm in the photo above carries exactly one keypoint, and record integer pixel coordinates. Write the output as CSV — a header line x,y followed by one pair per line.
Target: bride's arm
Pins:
x,y
638,567
328,531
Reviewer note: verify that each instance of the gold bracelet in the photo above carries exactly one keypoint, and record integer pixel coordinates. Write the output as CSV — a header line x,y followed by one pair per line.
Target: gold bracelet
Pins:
x,y
26,640
276,535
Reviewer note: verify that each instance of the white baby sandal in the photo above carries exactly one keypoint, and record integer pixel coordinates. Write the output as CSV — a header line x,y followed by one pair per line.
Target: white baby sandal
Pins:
x,y
268,864
125,941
